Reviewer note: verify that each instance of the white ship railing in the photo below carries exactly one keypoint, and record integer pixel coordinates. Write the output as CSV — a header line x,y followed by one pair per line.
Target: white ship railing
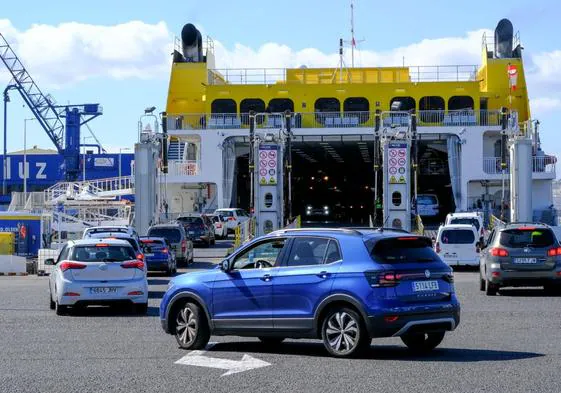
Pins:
x,y
109,187
545,164
269,76
425,118
183,167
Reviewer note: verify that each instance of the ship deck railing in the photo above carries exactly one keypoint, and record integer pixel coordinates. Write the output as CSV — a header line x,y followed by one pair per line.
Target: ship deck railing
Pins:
x,y
312,76
425,118
540,164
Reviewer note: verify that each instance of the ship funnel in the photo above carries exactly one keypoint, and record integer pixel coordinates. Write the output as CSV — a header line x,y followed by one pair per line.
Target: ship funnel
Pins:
x,y
503,39
192,44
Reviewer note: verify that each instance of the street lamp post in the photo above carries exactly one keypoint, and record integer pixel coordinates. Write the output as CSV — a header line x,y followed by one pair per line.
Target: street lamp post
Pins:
x,y
25,171
120,181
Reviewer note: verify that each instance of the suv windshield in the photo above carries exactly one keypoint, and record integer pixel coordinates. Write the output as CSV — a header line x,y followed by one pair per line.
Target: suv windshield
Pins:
x,y
102,253
172,234
402,250
526,237
225,213
457,236
466,221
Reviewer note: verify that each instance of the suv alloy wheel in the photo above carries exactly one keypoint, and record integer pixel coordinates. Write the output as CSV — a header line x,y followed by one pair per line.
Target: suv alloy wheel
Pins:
x,y
343,333
191,327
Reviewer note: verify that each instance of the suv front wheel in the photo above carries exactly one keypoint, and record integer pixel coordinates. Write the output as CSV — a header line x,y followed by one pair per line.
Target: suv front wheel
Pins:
x,y
343,333
191,327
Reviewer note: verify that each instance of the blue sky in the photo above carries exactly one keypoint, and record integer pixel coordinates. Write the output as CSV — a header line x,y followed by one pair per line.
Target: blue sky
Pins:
x,y
125,84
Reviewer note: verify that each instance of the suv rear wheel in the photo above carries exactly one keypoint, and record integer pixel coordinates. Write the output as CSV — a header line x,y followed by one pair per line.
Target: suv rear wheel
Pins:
x,y
191,327
423,342
343,333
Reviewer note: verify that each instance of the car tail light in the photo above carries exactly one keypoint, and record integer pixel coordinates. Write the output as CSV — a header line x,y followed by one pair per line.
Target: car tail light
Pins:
x,y
408,238
135,293
383,279
165,250
526,228
133,265
553,252
183,245
437,247
218,225
70,294
391,318
231,218
147,241
499,252
102,245
66,265
495,274
140,256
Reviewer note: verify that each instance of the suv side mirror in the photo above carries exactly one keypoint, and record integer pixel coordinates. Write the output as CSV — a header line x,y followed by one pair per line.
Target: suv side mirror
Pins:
x,y
225,265
49,262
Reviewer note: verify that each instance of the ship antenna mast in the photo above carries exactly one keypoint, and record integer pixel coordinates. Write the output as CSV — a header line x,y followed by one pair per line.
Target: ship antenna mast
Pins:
x,y
353,41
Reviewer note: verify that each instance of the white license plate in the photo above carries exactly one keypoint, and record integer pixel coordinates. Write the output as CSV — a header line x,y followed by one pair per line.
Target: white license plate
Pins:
x,y
103,290
525,261
420,286
149,255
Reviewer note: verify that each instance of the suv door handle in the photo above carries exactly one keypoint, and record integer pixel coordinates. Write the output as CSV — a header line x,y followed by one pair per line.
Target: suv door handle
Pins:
x,y
266,277
323,274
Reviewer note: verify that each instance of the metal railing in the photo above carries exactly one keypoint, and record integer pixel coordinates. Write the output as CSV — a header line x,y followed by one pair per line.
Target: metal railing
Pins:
x,y
545,164
264,76
183,167
426,118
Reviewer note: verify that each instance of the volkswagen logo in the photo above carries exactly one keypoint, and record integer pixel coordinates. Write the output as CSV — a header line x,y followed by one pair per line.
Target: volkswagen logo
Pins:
x,y
427,273
103,267
527,249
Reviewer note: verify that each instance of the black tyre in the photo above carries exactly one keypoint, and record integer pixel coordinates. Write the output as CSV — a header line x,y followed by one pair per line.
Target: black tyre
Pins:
x,y
60,310
481,282
191,327
343,333
490,288
271,341
52,304
423,342
141,309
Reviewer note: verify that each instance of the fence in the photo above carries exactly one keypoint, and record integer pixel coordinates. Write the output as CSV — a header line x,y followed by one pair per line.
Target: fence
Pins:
x,y
495,222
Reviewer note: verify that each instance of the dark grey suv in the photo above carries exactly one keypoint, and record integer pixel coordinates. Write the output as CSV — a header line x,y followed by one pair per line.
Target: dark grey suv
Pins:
x,y
521,255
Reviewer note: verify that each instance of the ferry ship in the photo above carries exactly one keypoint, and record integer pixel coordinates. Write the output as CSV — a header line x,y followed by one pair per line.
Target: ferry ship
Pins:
x,y
458,109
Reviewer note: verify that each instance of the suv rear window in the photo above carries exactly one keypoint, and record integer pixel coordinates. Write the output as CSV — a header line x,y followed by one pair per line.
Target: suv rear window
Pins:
x,y
402,250
172,234
190,220
520,238
102,253
153,245
457,236
466,221
225,213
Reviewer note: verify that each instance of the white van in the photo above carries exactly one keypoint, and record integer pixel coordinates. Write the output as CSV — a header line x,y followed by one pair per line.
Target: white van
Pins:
x,y
469,218
458,245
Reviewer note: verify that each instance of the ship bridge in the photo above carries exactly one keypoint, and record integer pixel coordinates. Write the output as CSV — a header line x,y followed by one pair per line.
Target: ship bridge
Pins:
x,y
460,113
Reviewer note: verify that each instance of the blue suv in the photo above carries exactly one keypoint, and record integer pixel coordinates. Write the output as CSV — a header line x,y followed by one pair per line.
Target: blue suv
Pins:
x,y
344,286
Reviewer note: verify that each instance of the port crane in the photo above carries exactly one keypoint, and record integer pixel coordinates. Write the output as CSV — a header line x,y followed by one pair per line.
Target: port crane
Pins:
x,y
62,123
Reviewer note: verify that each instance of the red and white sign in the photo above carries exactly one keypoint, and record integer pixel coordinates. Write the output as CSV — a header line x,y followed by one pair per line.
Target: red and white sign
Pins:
x,y
512,76
268,155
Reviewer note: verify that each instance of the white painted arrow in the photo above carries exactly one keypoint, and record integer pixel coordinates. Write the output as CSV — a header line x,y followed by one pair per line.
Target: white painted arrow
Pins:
x,y
197,358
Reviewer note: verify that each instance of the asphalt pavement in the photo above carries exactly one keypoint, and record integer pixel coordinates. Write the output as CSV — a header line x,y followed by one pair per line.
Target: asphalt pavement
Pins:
x,y
506,343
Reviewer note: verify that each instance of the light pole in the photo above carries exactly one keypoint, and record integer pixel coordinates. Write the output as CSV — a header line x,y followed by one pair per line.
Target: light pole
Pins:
x,y
25,171
122,149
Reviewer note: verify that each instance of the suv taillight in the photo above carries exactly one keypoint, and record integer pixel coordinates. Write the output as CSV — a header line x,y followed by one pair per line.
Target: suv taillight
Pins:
x,y
382,279
498,252
133,265
183,245
165,250
66,265
554,252
437,247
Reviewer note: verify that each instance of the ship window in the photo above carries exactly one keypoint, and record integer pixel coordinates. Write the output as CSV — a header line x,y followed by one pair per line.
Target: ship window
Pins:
x,y
327,105
460,102
279,105
402,104
252,104
223,105
331,108
356,104
431,109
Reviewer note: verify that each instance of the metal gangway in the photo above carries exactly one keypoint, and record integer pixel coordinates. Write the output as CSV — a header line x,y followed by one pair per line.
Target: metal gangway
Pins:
x,y
108,188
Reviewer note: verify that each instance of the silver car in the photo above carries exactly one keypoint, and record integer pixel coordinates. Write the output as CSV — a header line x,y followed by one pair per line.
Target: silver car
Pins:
x,y
520,255
97,272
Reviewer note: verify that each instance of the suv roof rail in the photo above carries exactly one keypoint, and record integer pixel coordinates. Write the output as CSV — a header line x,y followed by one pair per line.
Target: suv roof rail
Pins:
x,y
380,229
346,230
526,223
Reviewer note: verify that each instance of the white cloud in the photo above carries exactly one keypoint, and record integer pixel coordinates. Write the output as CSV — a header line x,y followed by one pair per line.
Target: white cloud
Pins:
x,y
543,105
72,52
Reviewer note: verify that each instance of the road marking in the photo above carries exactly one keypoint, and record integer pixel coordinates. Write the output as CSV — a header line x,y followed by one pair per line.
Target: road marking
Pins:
x,y
197,358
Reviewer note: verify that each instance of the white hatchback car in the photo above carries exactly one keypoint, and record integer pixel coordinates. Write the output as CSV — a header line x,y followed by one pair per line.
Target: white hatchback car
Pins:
x,y
235,217
97,272
220,228
469,218
458,245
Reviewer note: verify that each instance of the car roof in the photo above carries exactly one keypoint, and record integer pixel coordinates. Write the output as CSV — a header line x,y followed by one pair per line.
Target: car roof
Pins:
x,y
512,225
170,225
465,215
107,235
228,209
94,241
365,233
152,238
